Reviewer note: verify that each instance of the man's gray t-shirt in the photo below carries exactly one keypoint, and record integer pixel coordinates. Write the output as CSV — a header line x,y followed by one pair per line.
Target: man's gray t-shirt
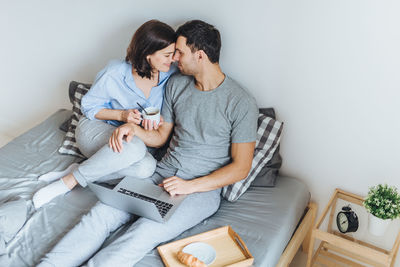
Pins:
x,y
206,123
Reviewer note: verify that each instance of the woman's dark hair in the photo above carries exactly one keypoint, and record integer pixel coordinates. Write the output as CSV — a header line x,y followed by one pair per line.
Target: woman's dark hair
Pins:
x,y
152,36
201,36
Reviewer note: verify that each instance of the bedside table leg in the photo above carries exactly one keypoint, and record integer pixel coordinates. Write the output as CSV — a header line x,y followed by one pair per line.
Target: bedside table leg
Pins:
x,y
393,260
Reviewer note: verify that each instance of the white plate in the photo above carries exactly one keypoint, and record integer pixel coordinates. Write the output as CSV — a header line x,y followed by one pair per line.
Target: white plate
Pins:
x,y
202,251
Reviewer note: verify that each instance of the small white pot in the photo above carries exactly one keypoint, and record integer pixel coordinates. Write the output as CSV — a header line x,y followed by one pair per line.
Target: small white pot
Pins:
x,y
377,226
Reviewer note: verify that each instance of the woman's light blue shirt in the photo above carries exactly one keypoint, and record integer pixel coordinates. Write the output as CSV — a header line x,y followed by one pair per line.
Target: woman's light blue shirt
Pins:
x,y
115,88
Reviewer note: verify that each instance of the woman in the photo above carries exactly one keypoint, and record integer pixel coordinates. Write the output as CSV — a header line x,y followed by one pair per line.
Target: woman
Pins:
x,y
113,100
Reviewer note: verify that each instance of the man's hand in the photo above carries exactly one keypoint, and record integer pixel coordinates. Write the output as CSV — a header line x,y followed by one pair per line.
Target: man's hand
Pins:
x,y
131,115
177,186
126,131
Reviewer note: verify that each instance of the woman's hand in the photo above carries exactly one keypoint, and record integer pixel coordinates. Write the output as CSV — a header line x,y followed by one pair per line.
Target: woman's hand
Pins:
x,y
131,115
177,186
126,132
150,125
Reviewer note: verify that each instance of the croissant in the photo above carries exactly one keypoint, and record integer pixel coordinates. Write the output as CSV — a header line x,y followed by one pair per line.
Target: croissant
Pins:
x,y
190,260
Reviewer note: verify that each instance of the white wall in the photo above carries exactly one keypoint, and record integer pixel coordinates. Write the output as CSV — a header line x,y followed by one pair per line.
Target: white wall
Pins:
x,y
330,68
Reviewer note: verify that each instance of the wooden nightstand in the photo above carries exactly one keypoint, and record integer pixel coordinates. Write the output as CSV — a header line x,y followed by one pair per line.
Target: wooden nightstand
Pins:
x,y
337,249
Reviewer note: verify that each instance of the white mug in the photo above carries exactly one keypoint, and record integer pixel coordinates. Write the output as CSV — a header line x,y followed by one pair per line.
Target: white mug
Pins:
x,y
153,114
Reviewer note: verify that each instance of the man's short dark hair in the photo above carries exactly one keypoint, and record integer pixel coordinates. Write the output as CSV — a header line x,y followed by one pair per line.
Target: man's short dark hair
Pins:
x,y
148,39
202,36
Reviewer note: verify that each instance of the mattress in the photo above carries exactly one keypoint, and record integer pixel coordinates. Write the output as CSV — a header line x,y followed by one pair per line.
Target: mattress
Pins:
x,y
265,217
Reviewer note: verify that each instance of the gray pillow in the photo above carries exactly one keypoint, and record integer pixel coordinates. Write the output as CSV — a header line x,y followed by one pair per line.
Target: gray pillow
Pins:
x,y
65,125
267,176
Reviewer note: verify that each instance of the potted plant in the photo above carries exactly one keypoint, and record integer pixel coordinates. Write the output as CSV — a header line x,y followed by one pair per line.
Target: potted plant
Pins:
x,y
383,205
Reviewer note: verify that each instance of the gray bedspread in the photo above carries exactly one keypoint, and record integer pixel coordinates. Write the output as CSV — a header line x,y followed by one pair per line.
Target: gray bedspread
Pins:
x,y
264,217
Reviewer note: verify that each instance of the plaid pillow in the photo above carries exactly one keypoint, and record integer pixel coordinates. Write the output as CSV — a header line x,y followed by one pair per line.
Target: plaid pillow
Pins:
x,y
69,146
269,173
268,138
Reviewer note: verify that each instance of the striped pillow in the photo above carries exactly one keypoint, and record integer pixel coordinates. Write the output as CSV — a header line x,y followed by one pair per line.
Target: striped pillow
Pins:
x,y
69,146
268,138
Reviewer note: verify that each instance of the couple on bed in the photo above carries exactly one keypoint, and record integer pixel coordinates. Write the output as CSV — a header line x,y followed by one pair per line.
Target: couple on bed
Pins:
x,y
213,122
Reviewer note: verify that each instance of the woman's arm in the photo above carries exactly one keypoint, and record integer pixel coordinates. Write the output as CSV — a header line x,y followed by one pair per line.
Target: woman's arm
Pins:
x,y
128,115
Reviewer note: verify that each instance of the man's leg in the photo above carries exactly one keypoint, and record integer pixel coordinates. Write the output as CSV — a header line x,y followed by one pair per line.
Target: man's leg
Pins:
x,y
145,234
88,235
82,241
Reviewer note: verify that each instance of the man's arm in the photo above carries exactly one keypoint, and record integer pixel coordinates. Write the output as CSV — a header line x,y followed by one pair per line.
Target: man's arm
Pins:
x,y
154,138
238,169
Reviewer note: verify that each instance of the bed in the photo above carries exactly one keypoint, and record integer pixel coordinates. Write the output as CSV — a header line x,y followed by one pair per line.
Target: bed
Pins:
x,y
265,217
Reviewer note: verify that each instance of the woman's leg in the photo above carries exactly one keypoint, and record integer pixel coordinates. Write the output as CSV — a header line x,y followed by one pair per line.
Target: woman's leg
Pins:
x,y
103,163
106,161
91,135
141,169
92,138
82,241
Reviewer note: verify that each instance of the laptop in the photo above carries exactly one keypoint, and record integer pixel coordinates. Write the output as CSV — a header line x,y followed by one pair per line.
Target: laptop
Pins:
x,y
139,197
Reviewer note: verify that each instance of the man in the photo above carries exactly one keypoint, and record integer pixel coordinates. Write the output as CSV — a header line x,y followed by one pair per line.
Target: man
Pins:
x,y
213,122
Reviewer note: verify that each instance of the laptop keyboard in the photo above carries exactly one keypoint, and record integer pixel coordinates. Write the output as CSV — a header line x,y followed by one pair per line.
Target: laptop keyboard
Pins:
x,y
162,207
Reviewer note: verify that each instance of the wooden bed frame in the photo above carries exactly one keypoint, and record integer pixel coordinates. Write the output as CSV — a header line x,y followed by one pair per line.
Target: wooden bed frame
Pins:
x,y
301,236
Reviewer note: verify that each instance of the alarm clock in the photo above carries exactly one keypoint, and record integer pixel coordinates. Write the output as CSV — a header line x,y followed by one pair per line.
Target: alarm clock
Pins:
x,y
347,220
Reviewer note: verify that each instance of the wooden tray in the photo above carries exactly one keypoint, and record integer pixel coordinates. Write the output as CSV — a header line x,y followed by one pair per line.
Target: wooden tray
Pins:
x,y
230,248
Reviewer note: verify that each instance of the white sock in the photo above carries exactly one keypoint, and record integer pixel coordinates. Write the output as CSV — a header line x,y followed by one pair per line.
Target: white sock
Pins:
x,y
52,176
47,193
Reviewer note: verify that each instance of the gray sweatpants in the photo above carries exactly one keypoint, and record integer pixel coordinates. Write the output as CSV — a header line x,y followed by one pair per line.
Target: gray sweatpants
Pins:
x,y
79,245
103,163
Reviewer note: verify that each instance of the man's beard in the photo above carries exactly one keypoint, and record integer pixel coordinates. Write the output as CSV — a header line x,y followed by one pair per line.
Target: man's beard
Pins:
x,y
186,71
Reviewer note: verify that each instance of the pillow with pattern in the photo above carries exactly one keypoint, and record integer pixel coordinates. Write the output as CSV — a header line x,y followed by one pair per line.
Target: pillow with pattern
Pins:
x,y
268,138
269,173
76,92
